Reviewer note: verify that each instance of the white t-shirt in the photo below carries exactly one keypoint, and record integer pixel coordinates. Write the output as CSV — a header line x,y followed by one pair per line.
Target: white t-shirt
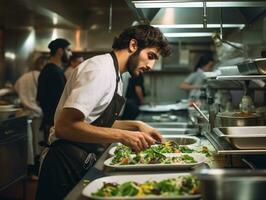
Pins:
x,y
26,87
68,72
91,88
196,79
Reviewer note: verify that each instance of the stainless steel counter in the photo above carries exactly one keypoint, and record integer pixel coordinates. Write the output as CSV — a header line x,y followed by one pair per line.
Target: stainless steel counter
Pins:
x,y
226,157
100,171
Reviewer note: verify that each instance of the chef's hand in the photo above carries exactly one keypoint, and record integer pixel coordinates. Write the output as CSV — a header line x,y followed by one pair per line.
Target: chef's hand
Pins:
x,y
137,141
155,134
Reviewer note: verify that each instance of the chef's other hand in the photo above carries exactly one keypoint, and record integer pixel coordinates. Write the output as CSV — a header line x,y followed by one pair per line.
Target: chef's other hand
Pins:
x,y
155,134
137,141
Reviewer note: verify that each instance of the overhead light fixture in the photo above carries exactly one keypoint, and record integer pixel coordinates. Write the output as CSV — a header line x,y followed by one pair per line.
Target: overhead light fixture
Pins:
x,y
162,26
54,34
197,4
55,20
195,34
10,55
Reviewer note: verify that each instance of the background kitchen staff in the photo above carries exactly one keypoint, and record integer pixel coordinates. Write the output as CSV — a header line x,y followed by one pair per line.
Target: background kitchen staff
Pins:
x,y
195,80
74,61
87,111
26,87
52,81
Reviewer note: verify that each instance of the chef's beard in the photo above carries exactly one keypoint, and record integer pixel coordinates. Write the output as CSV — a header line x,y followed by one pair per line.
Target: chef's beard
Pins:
x,y
132,63
65,58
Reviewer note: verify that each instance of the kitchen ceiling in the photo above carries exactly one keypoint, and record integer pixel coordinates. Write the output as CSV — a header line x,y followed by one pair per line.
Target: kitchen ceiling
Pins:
x,y
94,15
174,17
85,14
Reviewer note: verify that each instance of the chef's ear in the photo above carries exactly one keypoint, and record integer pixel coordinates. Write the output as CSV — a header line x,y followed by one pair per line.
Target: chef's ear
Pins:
x,y
133,46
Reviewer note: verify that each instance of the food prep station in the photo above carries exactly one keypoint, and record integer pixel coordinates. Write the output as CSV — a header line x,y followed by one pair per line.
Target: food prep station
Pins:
x,y
237,153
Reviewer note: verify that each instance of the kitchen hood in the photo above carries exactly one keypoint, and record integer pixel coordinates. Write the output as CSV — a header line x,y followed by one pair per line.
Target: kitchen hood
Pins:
x,y
190,16
187,16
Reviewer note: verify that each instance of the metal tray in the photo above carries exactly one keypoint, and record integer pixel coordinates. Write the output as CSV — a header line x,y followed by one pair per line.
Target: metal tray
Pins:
x,y
253,137
221,184
253,66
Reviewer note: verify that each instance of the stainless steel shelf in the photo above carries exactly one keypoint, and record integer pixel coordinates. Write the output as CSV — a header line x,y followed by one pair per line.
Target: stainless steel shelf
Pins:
x,y
231,85
223,147
241,77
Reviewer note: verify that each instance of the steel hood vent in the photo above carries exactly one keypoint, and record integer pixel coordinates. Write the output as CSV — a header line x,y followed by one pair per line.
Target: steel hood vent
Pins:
x,y
187,17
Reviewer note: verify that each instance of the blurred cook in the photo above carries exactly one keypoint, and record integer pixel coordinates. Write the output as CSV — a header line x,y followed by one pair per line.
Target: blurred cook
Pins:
x,y
195,80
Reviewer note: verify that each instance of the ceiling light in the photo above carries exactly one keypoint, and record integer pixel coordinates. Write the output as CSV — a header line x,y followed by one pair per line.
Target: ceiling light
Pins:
x,y
162,26
196,4
199,34
10,55
55,20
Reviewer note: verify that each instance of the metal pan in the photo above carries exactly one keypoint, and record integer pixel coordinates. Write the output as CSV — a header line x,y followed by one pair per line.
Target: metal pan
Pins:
x,y
226,119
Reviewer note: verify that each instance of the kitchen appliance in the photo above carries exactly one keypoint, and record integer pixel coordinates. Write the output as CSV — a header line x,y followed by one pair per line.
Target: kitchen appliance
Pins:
x,y
13,148
222,184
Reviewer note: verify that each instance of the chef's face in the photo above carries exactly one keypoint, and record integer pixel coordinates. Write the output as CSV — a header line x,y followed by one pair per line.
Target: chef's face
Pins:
x,y
66,54
209,66
141,61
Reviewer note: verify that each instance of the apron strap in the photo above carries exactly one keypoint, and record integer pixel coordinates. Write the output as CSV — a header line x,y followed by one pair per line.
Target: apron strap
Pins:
x,y
116,69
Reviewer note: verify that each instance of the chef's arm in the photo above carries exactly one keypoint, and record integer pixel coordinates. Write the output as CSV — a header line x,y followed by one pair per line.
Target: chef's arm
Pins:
x,y
70,125
187,86
132,125
138,126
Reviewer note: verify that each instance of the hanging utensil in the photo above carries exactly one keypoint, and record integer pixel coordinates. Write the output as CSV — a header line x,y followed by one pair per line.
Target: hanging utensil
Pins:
x,y
201,113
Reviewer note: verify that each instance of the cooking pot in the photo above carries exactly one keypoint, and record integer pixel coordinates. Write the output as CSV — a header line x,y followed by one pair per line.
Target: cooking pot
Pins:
x,y
226,119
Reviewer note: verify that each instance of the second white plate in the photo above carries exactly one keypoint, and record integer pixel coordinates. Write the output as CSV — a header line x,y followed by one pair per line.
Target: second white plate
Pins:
x,y
200,158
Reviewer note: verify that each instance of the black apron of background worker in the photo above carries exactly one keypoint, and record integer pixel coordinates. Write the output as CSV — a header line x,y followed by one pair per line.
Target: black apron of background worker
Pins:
x,y
67,162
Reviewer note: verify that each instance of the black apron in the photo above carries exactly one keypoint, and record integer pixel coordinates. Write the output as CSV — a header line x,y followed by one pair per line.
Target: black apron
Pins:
x,y
67,162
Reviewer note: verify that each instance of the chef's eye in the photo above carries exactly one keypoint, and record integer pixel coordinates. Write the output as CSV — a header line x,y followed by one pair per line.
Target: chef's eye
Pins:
x,y
152,56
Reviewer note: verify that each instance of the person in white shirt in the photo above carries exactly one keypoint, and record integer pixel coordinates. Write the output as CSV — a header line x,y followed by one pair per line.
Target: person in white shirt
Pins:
x,y
195,80
26,88
86,115
74,61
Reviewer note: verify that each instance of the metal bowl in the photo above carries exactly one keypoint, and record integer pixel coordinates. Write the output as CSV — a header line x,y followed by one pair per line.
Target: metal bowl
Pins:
x,y
226,119
221,184
189,141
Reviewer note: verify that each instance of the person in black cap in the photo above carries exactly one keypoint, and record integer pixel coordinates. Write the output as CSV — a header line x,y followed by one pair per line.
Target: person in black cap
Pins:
x,y
51,82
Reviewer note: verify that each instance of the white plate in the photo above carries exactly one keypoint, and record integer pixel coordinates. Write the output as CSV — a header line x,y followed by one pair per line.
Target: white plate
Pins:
x,y
6,107
98,183
200,158
163,108
112,150
168,137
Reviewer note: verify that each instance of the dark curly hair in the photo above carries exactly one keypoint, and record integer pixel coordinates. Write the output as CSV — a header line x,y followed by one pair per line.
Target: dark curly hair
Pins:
x,y
204,60
147,37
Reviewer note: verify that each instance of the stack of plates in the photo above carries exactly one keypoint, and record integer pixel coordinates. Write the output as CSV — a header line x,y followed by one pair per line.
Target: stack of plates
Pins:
x,y
7,110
